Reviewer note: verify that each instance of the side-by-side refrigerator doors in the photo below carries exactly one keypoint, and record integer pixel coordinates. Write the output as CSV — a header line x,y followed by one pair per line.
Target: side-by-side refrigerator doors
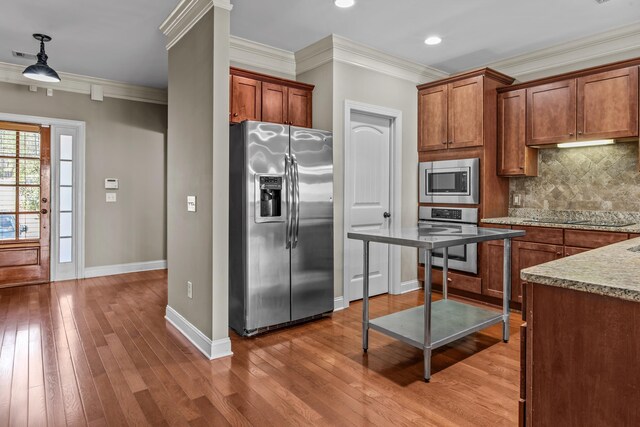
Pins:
x,y
312,234
268,292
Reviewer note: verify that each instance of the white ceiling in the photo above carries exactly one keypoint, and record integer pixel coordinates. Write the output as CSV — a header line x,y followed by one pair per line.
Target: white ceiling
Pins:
x,y
120,40
474,32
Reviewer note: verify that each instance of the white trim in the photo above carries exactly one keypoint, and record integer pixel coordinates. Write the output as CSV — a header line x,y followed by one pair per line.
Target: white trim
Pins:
x,y
338,303
187,14
395,187
341,49
623,40
253,54
75,83
78,193
211,349
409,286
110,270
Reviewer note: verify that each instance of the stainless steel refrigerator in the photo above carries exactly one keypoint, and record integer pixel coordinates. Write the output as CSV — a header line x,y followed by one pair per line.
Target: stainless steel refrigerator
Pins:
x,y
280,225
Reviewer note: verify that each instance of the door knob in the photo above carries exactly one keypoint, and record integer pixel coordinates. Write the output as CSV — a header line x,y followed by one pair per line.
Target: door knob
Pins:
x,y
44,211
386,215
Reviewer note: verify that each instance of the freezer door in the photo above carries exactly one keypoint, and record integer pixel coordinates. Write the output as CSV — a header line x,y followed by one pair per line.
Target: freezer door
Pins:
x,y
312,245
268,293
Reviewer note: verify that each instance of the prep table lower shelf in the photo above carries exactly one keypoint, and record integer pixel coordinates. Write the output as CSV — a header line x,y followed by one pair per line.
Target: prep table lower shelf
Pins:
x,y
451,320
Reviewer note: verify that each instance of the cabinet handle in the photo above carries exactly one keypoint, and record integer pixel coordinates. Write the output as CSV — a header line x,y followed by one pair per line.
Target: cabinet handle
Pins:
x,y
444,142
521,168
558,253
579,132
235,114
570,133
449,280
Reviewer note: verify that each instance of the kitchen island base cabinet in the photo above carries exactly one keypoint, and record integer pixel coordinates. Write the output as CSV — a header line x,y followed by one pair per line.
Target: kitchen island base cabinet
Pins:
x,y
582,358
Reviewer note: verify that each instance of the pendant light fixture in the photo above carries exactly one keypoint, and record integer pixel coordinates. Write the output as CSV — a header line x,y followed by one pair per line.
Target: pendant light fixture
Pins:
x,y
40,70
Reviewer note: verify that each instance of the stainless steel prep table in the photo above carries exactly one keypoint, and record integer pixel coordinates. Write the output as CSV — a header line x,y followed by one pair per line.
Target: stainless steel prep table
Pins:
x,y
435,324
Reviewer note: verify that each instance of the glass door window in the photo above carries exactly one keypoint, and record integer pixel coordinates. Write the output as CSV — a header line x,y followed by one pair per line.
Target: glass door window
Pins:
x,y
19,185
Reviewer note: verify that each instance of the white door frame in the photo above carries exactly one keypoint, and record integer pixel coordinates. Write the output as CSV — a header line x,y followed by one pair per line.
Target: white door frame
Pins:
x,y
78,188
395,194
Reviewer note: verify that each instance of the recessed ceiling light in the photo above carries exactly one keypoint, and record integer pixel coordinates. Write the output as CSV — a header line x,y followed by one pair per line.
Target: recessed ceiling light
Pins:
x,y
344,3
433,40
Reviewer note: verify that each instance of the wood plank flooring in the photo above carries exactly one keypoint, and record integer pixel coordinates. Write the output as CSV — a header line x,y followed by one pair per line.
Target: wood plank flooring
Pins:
x,y
99,352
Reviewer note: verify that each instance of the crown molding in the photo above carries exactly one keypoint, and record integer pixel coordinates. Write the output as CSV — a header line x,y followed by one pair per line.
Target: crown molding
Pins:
x,y
563,57
187,14
12,73
248,53
341,49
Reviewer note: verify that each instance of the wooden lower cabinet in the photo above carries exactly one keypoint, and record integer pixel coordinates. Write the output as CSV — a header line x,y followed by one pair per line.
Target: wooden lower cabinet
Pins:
x,y
522,402
455,280
528,254
493,256
582,357
592,239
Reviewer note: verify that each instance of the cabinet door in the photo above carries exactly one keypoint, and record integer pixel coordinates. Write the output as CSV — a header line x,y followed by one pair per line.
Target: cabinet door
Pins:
x,y
465,113
608,104
299,107
432,121
274,103
246,99
493,268
514,157
525,255
551,113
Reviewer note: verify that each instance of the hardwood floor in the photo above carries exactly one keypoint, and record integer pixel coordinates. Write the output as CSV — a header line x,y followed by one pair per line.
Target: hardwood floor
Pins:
x,y
99,352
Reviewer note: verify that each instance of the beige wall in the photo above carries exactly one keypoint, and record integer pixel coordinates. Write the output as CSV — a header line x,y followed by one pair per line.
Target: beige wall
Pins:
x,y
190,173
336,82
198,156
125,140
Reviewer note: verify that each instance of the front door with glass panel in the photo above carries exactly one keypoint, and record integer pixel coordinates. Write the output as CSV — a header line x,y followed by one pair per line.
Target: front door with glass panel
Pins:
x,y
24,204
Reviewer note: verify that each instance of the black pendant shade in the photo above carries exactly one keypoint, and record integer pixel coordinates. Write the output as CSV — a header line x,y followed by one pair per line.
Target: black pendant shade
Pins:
x,y
40,70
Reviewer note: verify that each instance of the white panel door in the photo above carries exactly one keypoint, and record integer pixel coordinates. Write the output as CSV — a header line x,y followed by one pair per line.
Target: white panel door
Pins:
x,y
368,198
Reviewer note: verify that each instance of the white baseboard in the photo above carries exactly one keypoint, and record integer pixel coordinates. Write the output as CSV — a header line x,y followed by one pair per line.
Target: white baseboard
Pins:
x,y
338,304
409,285
211,349
110,270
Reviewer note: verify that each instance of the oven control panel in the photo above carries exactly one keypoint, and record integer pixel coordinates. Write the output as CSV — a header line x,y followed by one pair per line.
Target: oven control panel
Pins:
x,y
446,214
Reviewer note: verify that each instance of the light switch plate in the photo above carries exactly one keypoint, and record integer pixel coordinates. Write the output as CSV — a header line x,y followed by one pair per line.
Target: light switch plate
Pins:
x,y
111,197
191,203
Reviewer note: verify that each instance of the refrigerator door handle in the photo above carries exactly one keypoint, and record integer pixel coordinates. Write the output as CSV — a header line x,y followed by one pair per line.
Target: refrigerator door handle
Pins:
x,y
288,177
297,198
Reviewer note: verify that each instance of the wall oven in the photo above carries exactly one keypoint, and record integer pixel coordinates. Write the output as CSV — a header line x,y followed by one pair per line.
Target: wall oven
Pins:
x,y
452,220
450,181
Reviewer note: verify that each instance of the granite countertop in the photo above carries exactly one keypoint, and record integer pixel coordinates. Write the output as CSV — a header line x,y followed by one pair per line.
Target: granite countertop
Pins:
x,y
612,271
635,228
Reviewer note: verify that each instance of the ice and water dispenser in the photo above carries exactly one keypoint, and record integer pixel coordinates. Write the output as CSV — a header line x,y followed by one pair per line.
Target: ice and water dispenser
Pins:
x,y
269,198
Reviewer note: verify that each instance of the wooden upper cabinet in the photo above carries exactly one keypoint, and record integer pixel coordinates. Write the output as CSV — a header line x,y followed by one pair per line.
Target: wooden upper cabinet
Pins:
x,y
299,107
275,103
451,115
432,118
551,113
608,104
255,96
514,157
465,99
246,99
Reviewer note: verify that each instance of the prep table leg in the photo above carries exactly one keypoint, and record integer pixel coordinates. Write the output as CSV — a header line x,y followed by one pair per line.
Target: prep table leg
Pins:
x,y
445,271
506,291
365,297
426,349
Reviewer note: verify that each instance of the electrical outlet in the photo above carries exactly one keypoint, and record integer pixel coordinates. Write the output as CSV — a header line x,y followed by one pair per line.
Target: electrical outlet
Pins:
x,y
517,200
190,290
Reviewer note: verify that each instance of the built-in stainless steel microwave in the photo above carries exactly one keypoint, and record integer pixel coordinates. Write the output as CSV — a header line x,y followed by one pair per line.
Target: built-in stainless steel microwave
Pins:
x,y
450,181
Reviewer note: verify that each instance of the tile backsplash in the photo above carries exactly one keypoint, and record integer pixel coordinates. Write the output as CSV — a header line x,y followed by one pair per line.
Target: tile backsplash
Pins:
x,y
602,178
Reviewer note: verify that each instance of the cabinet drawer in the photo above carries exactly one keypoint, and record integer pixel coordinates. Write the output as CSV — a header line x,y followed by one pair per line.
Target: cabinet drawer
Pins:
x,y
570,250
459,281
551,236
634,235
592,239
